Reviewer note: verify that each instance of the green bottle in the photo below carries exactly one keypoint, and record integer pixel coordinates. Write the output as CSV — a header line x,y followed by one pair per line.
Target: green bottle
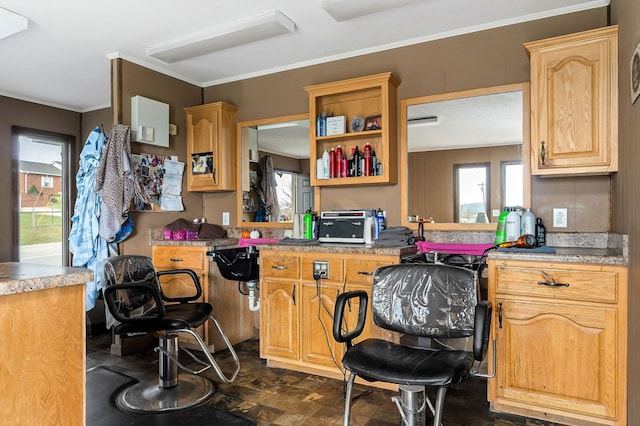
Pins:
x,y
307,221
501,233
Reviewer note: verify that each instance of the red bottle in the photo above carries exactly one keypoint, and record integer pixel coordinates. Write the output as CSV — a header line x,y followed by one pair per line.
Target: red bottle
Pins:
x,y
345,167
367,160
332,163
339,162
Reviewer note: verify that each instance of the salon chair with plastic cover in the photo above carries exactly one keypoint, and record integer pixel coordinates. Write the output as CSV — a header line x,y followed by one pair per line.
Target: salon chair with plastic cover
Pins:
x,y
430,302
135,299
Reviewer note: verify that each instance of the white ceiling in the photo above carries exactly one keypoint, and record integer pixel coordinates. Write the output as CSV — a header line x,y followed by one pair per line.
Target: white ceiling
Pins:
x,y
62,59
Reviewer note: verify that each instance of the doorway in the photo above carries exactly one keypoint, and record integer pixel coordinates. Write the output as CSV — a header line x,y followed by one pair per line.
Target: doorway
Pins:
x,y
42,186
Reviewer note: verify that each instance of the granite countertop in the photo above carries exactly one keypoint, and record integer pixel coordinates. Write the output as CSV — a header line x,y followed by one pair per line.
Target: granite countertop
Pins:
x,y
18,277
339,248
603,256
211,244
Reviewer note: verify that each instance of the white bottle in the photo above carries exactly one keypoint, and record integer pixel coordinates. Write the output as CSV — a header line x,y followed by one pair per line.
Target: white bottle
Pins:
x,y
512,229
528,223
325,164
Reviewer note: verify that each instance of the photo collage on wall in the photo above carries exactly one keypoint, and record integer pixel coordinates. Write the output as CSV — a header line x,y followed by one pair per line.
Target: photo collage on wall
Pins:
x,y
161,178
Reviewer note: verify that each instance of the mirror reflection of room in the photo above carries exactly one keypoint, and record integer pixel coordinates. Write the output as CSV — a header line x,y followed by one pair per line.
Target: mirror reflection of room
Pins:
x,y
464,155
275,171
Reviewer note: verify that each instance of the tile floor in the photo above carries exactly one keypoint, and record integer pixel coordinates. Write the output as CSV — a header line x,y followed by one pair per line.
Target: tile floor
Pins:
x,y
273,396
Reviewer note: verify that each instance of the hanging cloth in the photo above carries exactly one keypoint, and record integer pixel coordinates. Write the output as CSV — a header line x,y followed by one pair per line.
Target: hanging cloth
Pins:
x,y
116,182
88,248
266,189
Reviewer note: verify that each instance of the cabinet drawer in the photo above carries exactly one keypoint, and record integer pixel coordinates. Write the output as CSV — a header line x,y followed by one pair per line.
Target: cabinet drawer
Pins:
x,y
336,273
280,266
361,271
179,257
559,283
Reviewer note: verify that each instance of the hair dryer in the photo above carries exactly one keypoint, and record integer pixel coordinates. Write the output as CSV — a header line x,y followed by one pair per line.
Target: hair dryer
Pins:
x,y
525,241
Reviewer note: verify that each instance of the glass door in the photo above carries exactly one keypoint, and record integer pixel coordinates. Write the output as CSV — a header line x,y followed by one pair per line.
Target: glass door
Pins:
x,y
42,196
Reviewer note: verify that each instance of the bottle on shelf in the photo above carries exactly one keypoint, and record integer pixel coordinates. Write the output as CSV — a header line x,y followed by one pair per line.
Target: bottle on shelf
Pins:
x,y
345,167
321,124
332,164
356,162
367,160
541,234
325,164
374,164
339,162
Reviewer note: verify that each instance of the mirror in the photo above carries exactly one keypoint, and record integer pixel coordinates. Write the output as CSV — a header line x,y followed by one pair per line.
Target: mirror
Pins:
x,y
464,156
273,170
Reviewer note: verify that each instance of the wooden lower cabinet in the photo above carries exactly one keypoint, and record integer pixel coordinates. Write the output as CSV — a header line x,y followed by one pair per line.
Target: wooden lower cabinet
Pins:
x,y
560,341
296,314
230,308
279,319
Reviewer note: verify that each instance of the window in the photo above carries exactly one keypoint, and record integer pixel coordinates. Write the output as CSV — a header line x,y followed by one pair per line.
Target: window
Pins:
x,y
42,205
472,189
512,183
286,189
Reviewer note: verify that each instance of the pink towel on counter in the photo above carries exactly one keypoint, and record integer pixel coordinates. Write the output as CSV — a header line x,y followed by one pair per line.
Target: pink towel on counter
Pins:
x,y
246,242
453,248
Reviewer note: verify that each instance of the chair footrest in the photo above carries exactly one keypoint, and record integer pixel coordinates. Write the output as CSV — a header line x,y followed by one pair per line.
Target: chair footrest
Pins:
x,y
149,397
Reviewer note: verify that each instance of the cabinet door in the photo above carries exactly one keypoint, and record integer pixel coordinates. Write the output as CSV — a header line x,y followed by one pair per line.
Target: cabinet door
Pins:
x,y
203,125
317,343
557,356
574,106
279,319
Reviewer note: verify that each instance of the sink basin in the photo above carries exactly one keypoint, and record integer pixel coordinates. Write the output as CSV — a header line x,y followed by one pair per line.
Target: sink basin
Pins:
x,y
237,264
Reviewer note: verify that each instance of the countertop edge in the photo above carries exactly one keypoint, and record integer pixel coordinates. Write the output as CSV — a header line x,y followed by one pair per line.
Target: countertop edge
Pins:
x,y
16,277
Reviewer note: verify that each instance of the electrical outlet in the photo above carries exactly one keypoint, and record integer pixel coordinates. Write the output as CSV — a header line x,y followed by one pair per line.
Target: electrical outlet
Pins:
x,y
321,268
560,218
225,218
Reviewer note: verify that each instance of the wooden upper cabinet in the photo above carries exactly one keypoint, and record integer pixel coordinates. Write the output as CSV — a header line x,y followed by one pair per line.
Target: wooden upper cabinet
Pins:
x,y
211,138
574,103
363,97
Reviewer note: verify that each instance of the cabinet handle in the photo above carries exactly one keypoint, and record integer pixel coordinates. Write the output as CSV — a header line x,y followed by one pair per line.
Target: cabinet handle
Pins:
x,y
553,284
176,259
500,315
293,294
365,273
279,267
543,152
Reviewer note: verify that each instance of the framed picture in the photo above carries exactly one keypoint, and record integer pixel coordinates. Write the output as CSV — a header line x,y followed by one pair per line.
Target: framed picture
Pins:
x,y
373,122
202,163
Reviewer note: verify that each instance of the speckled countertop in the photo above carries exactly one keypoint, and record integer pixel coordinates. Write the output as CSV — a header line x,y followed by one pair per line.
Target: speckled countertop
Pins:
x,y
24,277
603,256
592,247
339,248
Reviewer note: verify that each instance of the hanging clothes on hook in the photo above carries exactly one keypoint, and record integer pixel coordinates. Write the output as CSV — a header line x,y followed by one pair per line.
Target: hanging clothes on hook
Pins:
x,y
116,183
88,248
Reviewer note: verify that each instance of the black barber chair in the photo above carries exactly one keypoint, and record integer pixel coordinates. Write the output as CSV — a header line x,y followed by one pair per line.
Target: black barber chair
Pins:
x,y
432,301
135,299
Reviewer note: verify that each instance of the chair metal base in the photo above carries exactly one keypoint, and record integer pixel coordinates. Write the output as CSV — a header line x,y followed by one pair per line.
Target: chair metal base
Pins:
x,y
145,397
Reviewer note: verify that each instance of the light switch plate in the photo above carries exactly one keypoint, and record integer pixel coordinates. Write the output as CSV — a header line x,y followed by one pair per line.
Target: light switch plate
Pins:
x,y
225,218
560,218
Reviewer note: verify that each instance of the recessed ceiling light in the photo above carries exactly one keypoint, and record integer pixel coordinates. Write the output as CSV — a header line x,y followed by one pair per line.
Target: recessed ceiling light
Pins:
x,y
243,32
11,23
